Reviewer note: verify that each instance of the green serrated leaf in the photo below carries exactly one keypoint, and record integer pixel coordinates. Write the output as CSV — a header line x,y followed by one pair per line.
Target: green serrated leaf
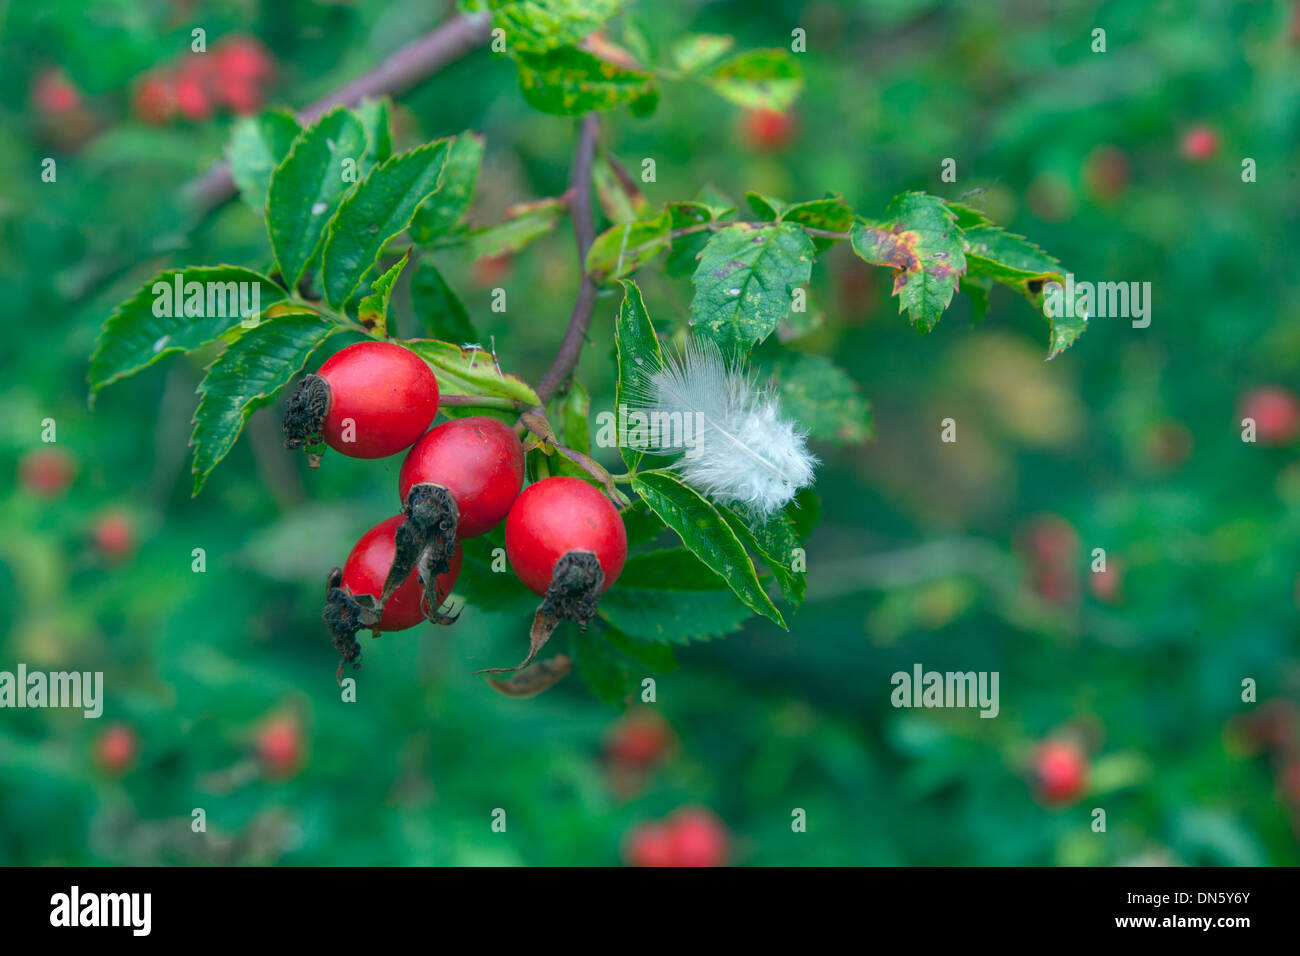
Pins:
x,y
1014,261
695,51
622,249
638,353
444,210
540,25
758,79
246,376
378,210
920,241
745,280
822,397
777,544
832,214
438,308
672,596
257,145
308,185
568,81
685,250
471,371
372,311
703,530
374,117
766,207
158,320
524,223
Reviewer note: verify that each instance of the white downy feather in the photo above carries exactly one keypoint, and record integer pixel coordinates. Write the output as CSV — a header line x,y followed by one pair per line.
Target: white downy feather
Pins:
x,y
736,447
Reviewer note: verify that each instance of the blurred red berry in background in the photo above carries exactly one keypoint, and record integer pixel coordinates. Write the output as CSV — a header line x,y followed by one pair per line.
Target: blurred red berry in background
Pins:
x,y
279,746
1106,173
115,749
46,472
692,836
54,93
1108,586
154,100
1276,412
1199,143
1060,770
114,535
767,130
641,739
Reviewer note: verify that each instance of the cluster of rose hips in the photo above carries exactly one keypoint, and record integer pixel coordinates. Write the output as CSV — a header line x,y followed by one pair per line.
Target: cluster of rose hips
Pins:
x,y
233,75
564,539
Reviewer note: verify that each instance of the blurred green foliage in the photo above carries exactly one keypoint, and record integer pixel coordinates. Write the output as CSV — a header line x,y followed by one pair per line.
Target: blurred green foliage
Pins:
x,y
1132,436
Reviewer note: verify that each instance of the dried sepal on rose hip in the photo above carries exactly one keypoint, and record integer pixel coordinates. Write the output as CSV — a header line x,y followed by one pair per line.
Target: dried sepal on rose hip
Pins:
x,y
369,400
565,541
352,592
458,481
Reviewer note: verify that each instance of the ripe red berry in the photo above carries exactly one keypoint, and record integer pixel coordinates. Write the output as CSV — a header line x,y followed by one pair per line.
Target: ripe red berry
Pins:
x,y
1276,412
115,749
244,58
280,746
114,535
650,844
191,93
479,460
46,472
1106,172
698,838
490,271
692,836
560,516
1051,546
242,96
1060,771
767,130
640,739
367,567
458,481
154,101
1200,143
1108,586
354,593
369,400
53,93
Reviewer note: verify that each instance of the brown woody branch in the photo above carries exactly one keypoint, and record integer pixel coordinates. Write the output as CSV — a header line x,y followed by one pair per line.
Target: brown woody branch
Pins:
x,y
408,66
584,231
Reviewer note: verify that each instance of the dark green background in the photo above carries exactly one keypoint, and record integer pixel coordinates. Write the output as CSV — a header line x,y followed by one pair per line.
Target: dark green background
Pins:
x,y
914,560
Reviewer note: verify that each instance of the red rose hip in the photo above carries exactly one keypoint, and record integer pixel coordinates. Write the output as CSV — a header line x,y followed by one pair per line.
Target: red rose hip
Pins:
x,y
480,461
559,516
352,594
566,542
369,400
1060,771
458,481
